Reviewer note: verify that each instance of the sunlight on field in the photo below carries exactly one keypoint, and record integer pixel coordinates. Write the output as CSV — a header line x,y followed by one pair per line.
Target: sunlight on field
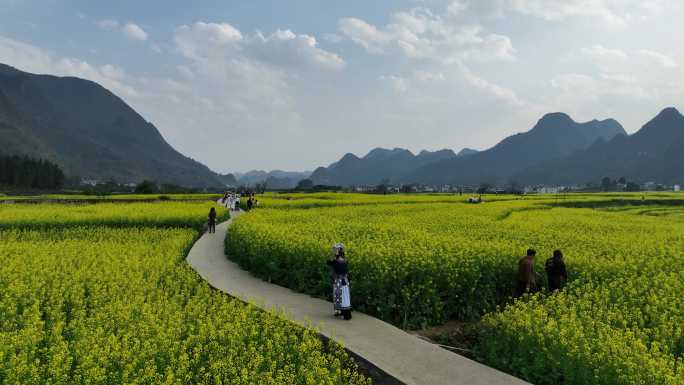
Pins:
x,y
421,260
101,294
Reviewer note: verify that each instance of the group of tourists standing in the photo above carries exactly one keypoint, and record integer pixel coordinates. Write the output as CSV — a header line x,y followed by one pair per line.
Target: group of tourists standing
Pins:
x,y
231,201
557,274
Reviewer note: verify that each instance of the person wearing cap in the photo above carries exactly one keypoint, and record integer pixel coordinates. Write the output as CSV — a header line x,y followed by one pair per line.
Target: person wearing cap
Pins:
x,y
527,281
341,292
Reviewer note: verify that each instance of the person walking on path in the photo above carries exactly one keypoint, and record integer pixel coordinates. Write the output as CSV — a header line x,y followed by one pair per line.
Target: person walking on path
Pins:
x,y
556,271
212,220
341,292
250,203
527,281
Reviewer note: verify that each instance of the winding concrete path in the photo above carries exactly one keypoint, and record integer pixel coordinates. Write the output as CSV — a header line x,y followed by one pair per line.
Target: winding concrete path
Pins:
x,y
400,355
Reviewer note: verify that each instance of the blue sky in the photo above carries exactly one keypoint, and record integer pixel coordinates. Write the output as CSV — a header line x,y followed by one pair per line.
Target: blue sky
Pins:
x,y
273,84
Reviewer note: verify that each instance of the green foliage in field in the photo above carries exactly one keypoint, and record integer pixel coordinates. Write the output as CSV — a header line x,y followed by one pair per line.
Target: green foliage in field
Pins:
x,y
82,303
414,264
113,197
167,214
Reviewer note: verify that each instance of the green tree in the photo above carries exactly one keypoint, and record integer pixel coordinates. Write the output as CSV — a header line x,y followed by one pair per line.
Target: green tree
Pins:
x,y
147,187
305,184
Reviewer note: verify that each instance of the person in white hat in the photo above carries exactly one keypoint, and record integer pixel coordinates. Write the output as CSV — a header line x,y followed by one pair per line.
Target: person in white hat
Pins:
x,y
341,291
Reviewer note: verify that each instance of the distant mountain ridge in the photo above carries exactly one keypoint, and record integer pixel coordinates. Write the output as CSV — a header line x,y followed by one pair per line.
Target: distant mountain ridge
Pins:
x,y
88,131
654,153
555,136
378,166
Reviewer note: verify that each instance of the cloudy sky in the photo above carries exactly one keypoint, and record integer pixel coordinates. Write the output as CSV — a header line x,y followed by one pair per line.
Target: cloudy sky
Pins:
x,y
295,84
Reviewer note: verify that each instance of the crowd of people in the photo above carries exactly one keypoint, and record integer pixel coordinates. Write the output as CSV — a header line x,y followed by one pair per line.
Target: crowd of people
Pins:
x,y
232,201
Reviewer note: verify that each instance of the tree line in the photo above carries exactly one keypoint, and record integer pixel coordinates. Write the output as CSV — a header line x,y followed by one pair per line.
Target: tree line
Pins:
x,y
26,172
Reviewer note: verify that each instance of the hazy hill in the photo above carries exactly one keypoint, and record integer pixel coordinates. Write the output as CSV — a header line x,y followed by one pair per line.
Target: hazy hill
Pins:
x,y
228,179
88,131
277,179
654,153
554,136
377,166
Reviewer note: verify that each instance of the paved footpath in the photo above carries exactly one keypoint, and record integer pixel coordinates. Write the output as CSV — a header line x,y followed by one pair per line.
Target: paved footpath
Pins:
x,y
400,355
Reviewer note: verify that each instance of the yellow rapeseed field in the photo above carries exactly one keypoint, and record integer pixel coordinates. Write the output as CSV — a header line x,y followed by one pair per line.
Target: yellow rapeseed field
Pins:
x,y
101,294
418,261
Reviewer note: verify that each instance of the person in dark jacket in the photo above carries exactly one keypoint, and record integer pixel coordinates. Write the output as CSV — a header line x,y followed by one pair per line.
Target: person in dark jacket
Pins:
x,y
527,281
556,271
341,293
212,220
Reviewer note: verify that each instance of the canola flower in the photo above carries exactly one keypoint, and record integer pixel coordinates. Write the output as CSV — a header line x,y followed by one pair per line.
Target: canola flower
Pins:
x,y
86,303
421,263
155,214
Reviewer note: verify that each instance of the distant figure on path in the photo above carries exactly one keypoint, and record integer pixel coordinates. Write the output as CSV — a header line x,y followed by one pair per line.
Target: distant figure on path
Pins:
x,y
556,271
527,282
237,202
250,203
341,293
212,220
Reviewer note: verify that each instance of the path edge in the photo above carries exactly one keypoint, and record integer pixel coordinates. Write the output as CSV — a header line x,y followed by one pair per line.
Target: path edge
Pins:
x,y
364,366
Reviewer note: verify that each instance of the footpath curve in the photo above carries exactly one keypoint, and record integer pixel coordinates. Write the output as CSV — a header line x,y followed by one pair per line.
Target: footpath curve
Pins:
x,y
400,355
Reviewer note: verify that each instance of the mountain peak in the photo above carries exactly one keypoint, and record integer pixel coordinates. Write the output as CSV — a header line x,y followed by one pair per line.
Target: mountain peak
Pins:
x,y
467,151
444,151
555,117
662,129
380,152
669,113
348,157
48,113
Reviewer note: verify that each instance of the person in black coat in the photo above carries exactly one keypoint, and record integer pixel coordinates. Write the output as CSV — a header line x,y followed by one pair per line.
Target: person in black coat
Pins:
x,y
212,220
341,290
556,271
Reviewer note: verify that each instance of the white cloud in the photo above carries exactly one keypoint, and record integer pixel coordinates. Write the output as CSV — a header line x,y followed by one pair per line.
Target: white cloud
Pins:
x,y
611,60
601,52
456,7
29,58
574,82
285,48
134,32
281,49
398,83
332,37
611,12
657,57
420,34
618,82
130,31
425,82
502,93
108,25
366,35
